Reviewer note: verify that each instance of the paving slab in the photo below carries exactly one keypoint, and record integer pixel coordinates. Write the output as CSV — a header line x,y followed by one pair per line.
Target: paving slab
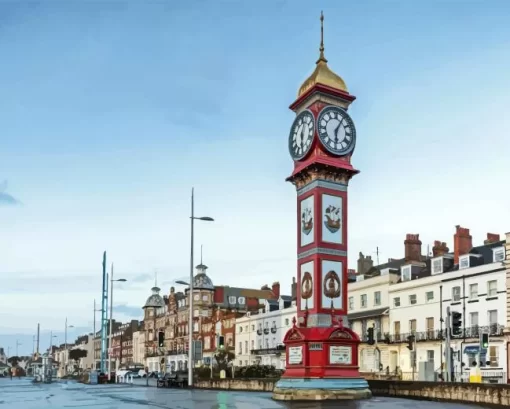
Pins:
x,y
23,394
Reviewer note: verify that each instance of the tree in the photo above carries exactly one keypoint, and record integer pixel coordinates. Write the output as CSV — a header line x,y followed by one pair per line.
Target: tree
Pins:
x,y
13,360
76,355
223,358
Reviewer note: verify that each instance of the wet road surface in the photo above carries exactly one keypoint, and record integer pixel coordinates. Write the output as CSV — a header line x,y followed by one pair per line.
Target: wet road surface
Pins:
x,y
23,394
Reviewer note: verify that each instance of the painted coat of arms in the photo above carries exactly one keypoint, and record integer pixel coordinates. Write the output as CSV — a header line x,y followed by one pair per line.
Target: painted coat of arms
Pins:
x,y
307,221
333,218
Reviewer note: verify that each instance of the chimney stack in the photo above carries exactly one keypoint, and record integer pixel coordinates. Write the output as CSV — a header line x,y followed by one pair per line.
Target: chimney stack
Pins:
x,y
276,289
462,243
439,249
293,288
492,238
412,245
365,263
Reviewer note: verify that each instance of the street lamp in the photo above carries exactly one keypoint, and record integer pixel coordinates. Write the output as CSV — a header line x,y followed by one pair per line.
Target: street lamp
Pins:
x,y
190,323
65,346
119,280
17,345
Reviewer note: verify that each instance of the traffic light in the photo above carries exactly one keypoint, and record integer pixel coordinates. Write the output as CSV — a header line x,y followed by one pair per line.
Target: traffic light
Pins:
x,y
370,335
484,341
410,342
456,323
161,339
221,341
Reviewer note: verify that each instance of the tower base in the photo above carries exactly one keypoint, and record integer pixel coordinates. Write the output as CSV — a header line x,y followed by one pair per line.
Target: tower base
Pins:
x,y
320,390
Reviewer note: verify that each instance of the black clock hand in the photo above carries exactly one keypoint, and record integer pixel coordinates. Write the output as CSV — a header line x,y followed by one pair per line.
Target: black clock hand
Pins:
x,y
336,130
302,137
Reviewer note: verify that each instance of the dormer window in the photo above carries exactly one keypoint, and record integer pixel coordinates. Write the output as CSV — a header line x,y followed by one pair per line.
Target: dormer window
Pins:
x,y
499,254
437,265
406,273
385,271
464,262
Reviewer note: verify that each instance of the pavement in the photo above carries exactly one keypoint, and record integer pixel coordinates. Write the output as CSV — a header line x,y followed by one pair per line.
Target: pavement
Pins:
x,y
23,394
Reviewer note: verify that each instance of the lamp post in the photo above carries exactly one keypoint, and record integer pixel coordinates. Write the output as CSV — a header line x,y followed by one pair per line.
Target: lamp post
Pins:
x,y
65,346
94,334
17,345
190,324
110,347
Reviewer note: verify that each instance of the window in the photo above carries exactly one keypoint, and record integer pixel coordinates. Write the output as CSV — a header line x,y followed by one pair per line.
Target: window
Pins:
x,y
492,317
232,299
406,273
464,262
499,254
286,322
396,330
196,297
240,329
456,293
493,356
412,326
437,265
473,319
430,355
473,291
363,300
246,346
492,288
195,327
396,302
240,348
252,344
195,313
412,299
429,296
351,303
246,328
205,298
377,298
241,300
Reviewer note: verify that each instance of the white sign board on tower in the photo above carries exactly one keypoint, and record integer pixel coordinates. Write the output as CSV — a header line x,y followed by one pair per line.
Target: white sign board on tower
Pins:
x,y
340,355
295,355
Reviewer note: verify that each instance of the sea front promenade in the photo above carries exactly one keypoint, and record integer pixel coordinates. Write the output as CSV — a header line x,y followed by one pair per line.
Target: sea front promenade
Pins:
x,y
21,393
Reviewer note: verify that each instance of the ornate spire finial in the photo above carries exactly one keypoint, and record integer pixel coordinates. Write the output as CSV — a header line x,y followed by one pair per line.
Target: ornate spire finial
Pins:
x,y
155,278
321,48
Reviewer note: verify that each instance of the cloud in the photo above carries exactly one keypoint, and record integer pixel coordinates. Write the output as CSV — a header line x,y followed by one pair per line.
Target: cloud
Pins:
x,y
5,198
130,311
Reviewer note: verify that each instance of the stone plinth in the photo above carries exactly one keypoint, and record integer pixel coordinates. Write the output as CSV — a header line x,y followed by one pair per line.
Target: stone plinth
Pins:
x,y
323,390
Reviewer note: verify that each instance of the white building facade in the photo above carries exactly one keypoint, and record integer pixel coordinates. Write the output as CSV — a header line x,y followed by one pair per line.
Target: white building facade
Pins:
x,y
474,286
259,336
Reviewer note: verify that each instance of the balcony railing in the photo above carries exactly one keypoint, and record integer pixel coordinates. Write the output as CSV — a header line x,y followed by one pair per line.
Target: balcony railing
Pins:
x,y
266,331
259,332
273,330
436,335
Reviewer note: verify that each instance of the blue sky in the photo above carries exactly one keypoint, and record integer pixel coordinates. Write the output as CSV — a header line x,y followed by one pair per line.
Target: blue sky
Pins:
x,y
112,111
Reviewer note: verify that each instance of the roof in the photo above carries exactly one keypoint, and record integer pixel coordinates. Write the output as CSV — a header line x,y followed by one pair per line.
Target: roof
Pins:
x,y
155,300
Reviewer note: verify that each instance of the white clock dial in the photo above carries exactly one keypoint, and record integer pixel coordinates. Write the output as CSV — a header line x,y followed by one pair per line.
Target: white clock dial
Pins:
x,y
336,130
301,135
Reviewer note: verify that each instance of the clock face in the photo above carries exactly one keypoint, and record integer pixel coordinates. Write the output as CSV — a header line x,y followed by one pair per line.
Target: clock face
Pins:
x,y
336,130
301,135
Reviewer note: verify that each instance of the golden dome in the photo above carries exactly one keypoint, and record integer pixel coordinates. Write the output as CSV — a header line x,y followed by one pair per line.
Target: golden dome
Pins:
x,y
322,73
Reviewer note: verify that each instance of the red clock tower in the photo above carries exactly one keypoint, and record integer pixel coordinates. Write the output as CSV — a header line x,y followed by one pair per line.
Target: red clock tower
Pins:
x,y
322,352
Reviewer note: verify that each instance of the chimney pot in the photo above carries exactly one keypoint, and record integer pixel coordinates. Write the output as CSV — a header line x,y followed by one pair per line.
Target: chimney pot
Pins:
x,y
439,249
462,243
276,289
412,246
492,238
